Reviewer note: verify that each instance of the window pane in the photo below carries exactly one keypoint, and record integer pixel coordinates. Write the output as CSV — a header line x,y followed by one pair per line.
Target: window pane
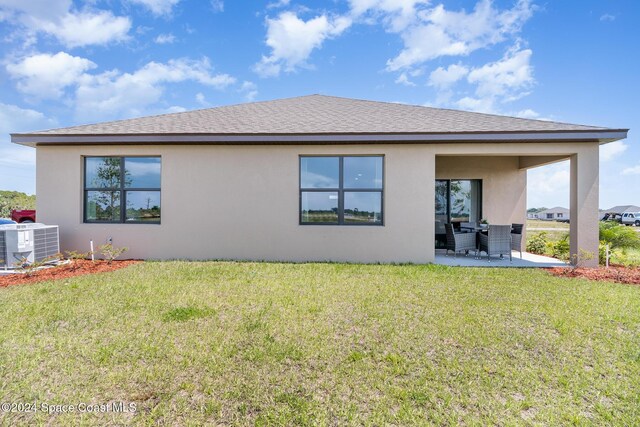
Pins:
x,y
441,206
362,207
320,206
465,201
142,172
143,206
102,172
363,172
319,172
460,201
103,206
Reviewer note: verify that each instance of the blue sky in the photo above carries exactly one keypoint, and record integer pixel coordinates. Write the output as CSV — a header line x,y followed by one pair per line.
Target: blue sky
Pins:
x,y
70,62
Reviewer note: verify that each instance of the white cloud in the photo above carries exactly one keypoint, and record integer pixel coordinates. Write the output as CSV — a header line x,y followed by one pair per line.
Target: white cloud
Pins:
x,y
483,105
16,119
158,7
397,15
635,170
278,4
504,77
114,94
71,27
527,114
250,90
444,77
439,32
46,76
165,38
612,150
172,109
88,28
200,99
607,18
217,5
292,40
502,81
549,185
403,79
17,163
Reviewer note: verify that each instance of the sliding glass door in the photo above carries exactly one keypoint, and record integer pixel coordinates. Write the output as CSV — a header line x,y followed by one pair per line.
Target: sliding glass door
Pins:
x,y
457,200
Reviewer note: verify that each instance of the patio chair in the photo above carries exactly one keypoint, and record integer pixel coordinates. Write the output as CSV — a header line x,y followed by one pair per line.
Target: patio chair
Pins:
x,y
457,242
468,227
497,241
516,238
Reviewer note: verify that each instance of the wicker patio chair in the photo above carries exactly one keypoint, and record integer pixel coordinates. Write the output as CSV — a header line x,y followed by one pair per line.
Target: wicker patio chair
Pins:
x,y
468,227
516,238
457,242
497,241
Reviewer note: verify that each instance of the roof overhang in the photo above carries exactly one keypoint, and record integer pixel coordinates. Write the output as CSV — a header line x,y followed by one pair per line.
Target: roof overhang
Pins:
x,y
601,136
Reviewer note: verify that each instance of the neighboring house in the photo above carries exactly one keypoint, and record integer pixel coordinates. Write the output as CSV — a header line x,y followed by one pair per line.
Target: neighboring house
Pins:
x,y
554,214
533,213
301,179
623,209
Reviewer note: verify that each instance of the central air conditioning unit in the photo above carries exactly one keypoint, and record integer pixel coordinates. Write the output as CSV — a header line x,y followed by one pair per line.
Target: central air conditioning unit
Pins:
x,y
27,242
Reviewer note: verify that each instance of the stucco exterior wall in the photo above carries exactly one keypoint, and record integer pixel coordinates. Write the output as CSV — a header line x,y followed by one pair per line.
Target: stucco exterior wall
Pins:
x,y
504,184
242,202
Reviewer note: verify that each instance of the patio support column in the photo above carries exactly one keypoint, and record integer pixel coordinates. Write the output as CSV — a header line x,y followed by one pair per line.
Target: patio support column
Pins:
x,y
584,233
430,195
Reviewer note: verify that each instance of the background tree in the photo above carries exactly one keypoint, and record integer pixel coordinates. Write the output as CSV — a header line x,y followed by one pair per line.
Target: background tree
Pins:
x,y
10,200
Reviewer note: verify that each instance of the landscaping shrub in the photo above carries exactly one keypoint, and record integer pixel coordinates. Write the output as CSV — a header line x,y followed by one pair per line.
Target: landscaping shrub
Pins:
x,y
110,252
537,244
618,236
560,248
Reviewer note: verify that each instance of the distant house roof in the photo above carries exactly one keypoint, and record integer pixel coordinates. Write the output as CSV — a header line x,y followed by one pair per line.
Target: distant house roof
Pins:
x,y
623,209
555,210
317,117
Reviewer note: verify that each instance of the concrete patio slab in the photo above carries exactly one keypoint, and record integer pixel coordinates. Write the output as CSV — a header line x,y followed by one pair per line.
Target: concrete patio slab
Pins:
x,y
528,260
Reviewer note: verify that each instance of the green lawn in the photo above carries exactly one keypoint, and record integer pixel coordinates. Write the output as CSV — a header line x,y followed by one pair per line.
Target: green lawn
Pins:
x,y
538,223
285,344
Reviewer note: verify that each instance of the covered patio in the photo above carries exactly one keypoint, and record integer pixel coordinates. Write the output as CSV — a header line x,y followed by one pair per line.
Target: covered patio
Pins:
x,y
490,183
528,260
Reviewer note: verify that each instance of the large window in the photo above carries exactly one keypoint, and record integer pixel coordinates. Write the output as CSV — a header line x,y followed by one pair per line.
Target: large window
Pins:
x,y
122,189
341,190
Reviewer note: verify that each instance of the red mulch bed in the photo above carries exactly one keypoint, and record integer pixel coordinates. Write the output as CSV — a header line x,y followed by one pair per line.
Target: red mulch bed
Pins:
x,y
75,268
615,273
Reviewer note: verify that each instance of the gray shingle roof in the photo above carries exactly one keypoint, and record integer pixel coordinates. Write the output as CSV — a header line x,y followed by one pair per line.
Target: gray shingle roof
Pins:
x,y
557,209
318,114
624,209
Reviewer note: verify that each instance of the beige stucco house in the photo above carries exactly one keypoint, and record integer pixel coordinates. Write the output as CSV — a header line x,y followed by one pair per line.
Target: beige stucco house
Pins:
x,y
301,179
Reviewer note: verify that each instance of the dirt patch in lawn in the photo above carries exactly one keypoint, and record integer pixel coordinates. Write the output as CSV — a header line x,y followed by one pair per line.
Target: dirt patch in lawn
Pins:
x,y
74,268
615,273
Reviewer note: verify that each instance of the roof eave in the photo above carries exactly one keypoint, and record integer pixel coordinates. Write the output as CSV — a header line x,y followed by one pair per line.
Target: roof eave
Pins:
x,y
597,135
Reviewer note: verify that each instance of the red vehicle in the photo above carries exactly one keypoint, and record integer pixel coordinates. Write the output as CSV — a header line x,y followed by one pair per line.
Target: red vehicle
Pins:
x,y
24,215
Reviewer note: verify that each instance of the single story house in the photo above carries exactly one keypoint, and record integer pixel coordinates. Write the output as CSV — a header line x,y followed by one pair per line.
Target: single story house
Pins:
x,y
623,209
554,214
310,178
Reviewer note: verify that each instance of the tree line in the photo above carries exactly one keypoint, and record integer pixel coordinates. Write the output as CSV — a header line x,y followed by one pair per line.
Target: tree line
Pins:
x,y
10,200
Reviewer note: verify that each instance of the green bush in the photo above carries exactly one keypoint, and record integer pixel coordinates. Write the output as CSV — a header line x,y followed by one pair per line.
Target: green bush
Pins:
x,y
618,236
602,253
537,244
560,249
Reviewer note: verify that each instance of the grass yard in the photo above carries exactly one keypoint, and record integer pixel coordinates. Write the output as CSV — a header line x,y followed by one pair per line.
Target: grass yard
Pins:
x,y
284,344
554,230
538,223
